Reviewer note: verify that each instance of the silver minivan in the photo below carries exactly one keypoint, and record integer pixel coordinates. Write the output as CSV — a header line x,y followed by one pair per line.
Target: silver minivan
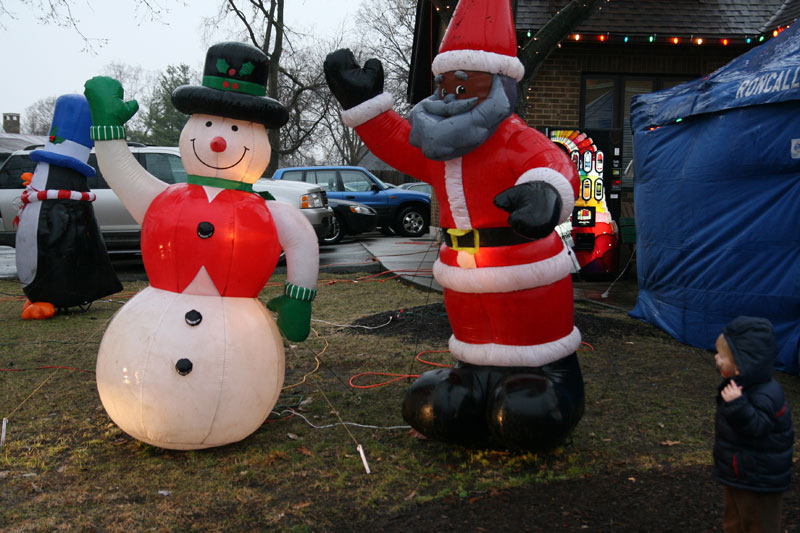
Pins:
x,y
120,232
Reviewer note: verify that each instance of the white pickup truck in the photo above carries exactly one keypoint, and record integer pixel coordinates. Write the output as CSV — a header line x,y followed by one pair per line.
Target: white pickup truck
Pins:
x,y
120,232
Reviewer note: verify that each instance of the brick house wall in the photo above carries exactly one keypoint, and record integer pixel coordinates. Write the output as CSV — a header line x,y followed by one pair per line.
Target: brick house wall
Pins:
x,y
554,94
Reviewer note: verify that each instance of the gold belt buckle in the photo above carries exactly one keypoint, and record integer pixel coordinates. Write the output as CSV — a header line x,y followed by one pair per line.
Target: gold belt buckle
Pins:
x,y
456,233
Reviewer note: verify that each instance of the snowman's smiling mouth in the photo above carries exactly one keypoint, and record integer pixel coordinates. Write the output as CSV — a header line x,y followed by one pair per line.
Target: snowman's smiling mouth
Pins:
x,y
244,153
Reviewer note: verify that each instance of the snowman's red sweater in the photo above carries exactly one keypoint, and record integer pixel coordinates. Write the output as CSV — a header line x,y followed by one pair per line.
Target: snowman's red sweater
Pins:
x,y
233,237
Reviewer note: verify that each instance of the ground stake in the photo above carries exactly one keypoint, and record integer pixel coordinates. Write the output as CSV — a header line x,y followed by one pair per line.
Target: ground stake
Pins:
x,y
359,448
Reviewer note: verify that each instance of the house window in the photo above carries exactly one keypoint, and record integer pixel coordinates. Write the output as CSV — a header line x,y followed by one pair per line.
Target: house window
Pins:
x,y
598,104
606,102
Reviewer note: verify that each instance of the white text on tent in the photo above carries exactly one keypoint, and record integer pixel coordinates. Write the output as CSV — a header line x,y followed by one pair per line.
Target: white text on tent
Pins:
x,y
768,83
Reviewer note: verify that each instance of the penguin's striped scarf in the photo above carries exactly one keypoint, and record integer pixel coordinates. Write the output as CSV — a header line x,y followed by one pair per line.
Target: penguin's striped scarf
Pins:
x,y
32,195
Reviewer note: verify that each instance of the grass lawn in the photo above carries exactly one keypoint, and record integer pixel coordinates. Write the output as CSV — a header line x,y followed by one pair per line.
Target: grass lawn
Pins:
x,y
65,464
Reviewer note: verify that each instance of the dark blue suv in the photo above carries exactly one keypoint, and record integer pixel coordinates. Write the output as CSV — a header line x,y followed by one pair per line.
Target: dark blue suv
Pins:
x,y
406,212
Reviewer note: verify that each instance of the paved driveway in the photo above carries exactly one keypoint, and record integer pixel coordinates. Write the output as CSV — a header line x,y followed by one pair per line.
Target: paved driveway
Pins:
x,y
349,256
8,266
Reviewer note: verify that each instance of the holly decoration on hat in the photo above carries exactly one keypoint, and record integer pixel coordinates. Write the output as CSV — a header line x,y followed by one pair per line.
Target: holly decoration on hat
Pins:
x,y
53,136
225,68
247,69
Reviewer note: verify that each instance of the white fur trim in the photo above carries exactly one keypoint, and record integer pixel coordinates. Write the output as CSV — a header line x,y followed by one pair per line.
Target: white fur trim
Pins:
x,y
455,193
479,60
557,180
506,278
356,116
509,355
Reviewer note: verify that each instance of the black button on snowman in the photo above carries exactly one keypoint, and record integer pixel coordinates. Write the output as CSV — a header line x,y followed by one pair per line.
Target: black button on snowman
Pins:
x,y
193,317
205,230
195,360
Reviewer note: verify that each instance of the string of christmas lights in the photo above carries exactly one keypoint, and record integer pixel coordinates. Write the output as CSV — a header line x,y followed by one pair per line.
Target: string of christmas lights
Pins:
x,y
655,38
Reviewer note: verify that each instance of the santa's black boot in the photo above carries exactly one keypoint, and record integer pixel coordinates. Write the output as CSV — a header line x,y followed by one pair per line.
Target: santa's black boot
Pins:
x,y
537,408
449,405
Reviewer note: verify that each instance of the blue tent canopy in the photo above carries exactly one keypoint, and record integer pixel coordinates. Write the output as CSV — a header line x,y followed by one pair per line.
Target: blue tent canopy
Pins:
x,y
717,199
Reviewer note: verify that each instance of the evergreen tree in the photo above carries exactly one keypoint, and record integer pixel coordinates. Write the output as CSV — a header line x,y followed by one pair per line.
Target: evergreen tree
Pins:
x,y
163,123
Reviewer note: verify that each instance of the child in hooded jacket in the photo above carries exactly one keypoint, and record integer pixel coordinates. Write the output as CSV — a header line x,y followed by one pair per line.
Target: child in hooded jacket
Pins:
x,y
754,433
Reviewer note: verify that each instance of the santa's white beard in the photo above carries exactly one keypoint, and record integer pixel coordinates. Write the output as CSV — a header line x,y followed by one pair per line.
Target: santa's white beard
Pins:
x,y
447,129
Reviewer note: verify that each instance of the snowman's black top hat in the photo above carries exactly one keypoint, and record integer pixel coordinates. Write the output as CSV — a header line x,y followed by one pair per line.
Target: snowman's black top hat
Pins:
x,y
234,85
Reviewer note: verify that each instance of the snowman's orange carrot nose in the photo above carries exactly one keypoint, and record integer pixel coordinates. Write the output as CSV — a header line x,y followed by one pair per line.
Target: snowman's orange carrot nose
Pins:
x,y
218,144
26,178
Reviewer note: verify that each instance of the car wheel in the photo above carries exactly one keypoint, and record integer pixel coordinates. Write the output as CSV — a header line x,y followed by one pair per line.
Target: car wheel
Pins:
x,y
336,232
411,222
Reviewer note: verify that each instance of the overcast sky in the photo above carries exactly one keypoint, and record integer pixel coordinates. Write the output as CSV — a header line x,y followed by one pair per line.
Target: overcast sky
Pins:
x,y
46,60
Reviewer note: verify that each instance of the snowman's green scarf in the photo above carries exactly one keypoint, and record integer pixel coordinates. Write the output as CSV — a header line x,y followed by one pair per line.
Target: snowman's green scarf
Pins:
x,y
227,184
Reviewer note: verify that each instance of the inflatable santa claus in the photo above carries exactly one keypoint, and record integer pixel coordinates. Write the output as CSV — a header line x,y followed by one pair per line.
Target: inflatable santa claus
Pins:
x,y
502,189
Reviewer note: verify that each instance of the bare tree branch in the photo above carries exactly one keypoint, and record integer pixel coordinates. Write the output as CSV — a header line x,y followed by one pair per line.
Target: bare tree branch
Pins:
x,y
546,40
314,131
38,117
388,30
236,11
60,13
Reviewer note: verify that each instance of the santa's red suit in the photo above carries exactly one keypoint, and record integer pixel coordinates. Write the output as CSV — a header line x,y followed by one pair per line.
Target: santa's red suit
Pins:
x,y
509,305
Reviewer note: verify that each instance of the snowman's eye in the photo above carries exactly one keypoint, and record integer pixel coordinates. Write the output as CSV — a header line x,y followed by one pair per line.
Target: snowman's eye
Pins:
x,y
235,127
461,89
208,124
444,93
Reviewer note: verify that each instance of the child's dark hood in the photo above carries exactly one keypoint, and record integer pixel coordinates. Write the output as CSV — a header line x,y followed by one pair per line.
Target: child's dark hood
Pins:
x,y
752,342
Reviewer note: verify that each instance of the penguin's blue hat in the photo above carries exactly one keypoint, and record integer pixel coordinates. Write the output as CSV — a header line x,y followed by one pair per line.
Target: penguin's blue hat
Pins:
x,y
69,144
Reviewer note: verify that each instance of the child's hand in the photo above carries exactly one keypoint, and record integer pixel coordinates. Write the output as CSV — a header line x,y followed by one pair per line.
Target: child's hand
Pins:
x,y
731,391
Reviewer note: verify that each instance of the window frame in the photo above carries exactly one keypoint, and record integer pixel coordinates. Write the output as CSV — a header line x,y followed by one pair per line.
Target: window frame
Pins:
x,y
365,179
619,121
619,91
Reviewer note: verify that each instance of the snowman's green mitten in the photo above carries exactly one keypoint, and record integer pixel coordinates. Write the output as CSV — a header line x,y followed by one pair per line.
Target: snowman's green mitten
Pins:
x,y
109,111
294,311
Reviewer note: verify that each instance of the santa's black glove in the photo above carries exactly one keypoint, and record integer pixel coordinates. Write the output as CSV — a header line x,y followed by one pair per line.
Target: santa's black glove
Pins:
x,y
349,83
535,208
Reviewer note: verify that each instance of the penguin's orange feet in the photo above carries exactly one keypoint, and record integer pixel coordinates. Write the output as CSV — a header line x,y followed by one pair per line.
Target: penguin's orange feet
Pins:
x,y
37,310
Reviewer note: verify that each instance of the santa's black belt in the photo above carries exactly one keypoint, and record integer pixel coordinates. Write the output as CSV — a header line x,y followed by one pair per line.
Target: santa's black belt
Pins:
x,y
473,239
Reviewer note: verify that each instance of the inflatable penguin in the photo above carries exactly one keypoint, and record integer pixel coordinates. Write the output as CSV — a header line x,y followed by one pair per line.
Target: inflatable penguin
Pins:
x,y
195,360
502,188
61,257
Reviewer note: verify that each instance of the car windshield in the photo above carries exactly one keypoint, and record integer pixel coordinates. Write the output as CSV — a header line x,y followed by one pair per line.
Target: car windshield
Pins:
x,y
12,170
381,182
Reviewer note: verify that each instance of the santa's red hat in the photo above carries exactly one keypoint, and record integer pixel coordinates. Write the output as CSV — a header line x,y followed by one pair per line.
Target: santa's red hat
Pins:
x,y
480,37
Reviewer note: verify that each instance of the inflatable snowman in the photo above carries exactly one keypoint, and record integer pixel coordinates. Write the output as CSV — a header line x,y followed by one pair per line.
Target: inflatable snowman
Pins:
x,y
195,360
